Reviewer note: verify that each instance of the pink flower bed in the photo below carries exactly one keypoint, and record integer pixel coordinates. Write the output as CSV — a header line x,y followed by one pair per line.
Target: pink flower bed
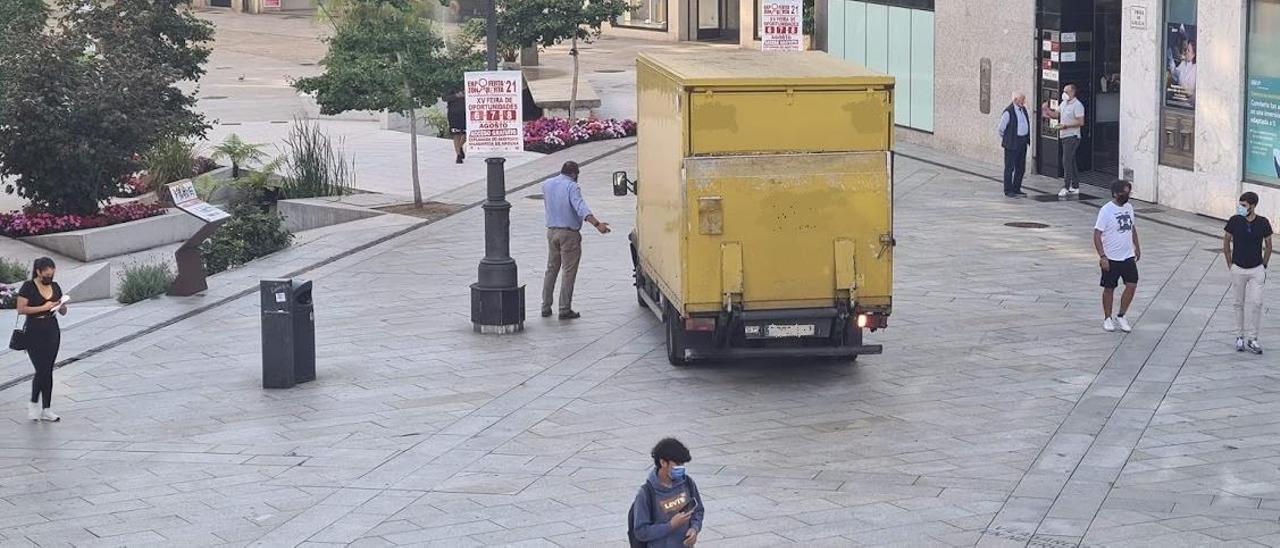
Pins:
x,y
18,224
551,134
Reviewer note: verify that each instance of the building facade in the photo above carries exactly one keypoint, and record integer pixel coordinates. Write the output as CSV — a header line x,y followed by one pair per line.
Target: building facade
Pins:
x,y
691,20
257,6
1136,64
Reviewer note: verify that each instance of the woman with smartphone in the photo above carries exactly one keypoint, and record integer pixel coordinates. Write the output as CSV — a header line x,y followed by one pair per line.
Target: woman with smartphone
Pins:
x,y
39,299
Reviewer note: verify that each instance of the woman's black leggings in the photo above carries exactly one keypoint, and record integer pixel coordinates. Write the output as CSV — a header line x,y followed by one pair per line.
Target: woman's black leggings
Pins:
x,y
42,347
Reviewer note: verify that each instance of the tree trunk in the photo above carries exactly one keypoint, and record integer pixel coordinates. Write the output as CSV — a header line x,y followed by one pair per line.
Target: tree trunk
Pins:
x,y
573,89
413,160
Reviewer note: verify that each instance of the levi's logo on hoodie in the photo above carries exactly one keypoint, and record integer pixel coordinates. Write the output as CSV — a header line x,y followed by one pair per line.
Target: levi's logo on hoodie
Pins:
x,y
674,504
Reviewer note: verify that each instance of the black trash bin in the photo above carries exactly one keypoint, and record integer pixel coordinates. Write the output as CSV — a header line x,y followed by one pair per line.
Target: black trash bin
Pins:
x,y
288,333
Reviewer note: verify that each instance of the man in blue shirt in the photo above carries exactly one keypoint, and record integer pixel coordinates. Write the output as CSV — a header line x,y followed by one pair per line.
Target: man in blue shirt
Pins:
x,y
566,211
1015,136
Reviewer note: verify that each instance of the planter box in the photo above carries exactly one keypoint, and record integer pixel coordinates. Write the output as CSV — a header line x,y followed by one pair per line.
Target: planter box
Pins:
x,y
308,213
94,244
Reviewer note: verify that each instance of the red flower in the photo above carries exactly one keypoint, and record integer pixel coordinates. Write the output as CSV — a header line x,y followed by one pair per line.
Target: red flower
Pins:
x,y
18,224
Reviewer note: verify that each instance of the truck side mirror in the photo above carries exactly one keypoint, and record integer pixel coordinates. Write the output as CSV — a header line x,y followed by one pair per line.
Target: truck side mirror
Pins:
x,y
622,184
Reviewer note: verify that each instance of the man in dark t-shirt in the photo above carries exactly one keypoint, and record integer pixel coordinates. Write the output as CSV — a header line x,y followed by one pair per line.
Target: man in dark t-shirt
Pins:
x,y
1247,248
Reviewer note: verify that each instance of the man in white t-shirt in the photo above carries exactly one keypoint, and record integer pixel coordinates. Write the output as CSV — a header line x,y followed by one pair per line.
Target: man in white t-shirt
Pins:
x,y
1071,115
1115,238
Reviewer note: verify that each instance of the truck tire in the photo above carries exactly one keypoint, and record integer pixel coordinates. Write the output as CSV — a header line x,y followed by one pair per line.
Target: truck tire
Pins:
x,y
676,343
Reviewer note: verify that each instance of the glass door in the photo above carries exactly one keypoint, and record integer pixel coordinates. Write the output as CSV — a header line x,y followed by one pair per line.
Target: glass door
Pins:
x,y
710,17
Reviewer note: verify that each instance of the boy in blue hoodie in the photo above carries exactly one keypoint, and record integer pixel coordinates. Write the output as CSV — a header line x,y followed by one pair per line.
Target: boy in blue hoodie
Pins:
x,y
667,512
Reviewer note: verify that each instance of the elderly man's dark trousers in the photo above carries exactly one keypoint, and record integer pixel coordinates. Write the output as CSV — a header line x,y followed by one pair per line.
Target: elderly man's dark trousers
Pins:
x,y
1015,166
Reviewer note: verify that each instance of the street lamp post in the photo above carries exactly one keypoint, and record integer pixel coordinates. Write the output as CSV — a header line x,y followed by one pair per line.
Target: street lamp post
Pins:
x,y
497,298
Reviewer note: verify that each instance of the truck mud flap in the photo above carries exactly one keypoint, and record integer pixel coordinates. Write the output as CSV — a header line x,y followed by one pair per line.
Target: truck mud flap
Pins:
x,y
810,352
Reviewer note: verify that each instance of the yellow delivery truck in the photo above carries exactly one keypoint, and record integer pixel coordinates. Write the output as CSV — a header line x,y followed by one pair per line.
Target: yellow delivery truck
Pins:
x,y
764,203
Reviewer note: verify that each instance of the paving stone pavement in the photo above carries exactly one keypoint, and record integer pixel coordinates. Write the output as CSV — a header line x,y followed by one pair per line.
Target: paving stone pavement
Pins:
x,y
999,414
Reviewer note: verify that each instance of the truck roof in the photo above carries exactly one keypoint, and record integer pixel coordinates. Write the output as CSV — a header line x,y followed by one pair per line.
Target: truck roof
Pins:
x,y
739,67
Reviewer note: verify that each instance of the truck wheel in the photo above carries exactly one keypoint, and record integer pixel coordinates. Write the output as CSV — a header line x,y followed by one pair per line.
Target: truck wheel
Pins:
x,y
675,337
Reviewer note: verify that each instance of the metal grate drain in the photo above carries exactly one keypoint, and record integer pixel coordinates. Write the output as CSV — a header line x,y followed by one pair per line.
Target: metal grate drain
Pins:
x,y
609,71
534,196
1026,224
1148,210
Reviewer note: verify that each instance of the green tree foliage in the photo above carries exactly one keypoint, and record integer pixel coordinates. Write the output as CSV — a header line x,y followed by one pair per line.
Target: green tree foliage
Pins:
x,y
545,23
19,20
87,96
387,55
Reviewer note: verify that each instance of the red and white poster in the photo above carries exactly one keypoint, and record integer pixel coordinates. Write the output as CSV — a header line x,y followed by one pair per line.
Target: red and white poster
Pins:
x,y
781,25
495,122
271,4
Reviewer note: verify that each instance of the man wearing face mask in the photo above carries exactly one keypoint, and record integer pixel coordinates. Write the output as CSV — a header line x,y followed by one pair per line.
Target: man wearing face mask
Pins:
x,y
1071,115
1247,247
1115,238
667,512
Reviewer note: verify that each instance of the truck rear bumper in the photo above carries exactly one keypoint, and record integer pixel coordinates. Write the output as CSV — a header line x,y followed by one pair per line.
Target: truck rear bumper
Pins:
x,y
789,352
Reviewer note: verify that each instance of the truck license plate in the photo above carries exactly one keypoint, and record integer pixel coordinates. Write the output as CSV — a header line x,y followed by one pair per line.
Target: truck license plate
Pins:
x,y
800,330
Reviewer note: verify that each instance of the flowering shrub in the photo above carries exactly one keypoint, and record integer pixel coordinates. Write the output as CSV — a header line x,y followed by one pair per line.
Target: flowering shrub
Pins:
x,y
135,185
551,134
8,297
138,184
17,224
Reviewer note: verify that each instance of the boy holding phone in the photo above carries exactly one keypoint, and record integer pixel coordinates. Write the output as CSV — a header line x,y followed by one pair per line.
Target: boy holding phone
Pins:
x,y
667,512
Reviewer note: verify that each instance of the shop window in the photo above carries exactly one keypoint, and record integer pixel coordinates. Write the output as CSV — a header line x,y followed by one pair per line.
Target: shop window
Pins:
x,y
894,37
1262,101
1178,106
644,14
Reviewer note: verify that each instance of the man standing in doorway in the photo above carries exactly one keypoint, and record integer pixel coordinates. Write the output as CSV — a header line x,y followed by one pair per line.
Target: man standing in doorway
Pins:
x,y
1071,115
1247,246
566,210
1015,136
1115,238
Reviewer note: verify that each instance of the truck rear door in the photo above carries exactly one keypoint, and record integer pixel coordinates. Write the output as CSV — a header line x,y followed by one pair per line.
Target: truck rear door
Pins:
x,y
784,231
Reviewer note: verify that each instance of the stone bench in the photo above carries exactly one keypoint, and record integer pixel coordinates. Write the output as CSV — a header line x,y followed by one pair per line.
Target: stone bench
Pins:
x,y
551,93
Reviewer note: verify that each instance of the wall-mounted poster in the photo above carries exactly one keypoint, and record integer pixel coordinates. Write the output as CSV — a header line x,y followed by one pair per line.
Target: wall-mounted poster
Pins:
x,y
1180,66
1178,110
1262,99
1262,126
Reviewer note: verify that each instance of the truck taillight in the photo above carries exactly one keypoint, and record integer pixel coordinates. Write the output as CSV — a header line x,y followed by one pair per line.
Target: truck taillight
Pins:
x,y
700,324
873,321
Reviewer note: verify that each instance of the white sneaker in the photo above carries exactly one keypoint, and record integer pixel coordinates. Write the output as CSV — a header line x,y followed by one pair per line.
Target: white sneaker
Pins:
x,y
1075,190
1062,193
48,415
1239,344
1124,324
1255,347
33,410
1109,325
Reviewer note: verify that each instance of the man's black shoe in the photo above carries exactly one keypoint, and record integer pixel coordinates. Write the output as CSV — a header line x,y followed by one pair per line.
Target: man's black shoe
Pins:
x,y
570,315
1020,194
546,313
